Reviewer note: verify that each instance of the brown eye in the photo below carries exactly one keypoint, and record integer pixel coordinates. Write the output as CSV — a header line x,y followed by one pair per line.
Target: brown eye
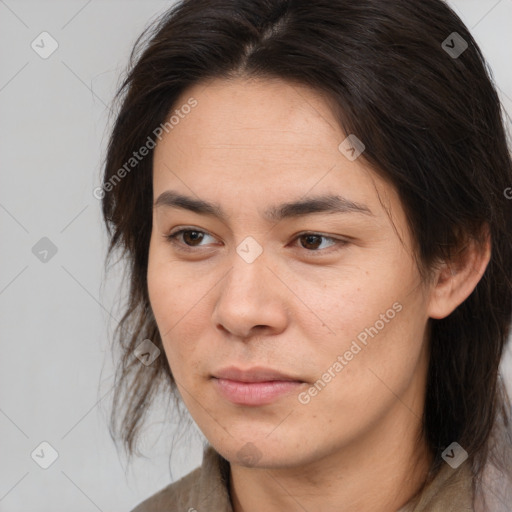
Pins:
x,y
311,241
187,238
191,237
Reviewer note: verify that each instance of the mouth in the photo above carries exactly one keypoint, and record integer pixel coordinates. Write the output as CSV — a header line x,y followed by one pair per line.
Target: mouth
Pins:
x,y
255,386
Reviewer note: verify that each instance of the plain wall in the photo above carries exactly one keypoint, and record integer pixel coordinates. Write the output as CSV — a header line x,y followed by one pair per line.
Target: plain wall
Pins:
x,y
56,316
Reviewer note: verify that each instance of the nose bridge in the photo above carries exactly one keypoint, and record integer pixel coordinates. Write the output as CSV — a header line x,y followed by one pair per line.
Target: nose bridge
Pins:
x,y
248,295
248,272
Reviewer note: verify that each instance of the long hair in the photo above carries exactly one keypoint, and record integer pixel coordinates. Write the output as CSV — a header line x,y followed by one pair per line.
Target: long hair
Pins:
x,y
409,80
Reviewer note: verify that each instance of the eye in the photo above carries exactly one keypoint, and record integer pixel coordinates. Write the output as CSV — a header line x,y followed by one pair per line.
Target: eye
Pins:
x,y
186,239
190,238
312,242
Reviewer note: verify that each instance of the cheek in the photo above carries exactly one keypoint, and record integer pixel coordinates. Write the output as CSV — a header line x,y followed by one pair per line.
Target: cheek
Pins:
x,y
177,308
348,302
379,327
172,292
389,359
373,375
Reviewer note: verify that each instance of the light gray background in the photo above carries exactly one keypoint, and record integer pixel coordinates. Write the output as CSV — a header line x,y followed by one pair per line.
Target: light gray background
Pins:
x,y
57,317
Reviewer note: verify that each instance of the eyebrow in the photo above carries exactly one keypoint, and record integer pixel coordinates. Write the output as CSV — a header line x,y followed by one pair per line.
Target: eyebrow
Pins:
x,y
318,204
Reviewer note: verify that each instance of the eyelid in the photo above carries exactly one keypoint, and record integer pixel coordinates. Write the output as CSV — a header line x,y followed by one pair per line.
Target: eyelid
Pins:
x,y
172,238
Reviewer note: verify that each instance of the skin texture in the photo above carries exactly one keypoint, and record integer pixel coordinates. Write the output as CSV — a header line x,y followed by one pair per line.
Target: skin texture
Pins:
x,y
248,145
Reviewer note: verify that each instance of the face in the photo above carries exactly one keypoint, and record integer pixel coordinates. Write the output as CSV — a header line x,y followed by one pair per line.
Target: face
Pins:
x,y
290,330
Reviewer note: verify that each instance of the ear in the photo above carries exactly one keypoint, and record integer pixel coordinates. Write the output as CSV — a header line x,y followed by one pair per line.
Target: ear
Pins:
x,y
455,280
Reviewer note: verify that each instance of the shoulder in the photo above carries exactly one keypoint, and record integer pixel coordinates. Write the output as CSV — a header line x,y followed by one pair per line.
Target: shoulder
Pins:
x,y
173,497
206,486
450,491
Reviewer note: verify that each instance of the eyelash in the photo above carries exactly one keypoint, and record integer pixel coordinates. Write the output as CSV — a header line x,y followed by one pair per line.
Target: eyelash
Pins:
x,y
172,238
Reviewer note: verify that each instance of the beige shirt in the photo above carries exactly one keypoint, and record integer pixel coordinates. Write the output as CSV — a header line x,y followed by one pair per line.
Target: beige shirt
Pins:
x,y
206,490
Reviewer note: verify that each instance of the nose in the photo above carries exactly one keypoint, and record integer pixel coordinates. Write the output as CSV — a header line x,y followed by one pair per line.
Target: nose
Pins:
x,y
251,300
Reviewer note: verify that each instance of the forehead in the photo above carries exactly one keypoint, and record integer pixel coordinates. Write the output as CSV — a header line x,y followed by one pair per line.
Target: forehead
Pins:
x,y
228,111
258,141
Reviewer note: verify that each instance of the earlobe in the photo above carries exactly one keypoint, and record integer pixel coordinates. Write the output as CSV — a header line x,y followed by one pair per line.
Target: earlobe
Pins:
x,y
456,280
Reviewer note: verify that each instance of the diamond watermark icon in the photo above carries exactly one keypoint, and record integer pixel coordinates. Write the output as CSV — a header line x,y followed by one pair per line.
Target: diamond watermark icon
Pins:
x,y
454,455
44,45
249,249
44,455
146,352
44,249
249,454
454,45
351,147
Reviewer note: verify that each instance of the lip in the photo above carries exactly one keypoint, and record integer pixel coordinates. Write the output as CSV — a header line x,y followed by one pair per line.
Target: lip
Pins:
x,y
255,386
254,374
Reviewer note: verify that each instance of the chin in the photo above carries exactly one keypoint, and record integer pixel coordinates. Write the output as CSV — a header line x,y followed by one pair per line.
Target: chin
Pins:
x,y
261,452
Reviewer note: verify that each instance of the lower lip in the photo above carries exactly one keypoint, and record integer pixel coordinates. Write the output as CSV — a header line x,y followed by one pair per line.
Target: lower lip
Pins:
x,y
255,393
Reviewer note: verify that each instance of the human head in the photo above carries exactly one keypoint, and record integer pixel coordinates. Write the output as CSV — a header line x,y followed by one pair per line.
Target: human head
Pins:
x,y
432,128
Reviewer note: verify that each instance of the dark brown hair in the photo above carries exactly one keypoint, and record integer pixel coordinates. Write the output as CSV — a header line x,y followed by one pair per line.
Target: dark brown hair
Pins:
x,y
432,125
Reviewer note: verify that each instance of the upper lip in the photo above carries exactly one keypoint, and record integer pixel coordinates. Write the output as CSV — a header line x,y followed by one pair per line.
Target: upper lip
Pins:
x,y
254,374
